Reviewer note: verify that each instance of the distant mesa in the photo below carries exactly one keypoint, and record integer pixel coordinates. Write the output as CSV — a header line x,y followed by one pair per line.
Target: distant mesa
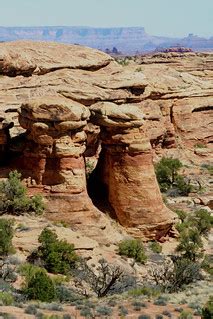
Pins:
x,y
127,40
177,49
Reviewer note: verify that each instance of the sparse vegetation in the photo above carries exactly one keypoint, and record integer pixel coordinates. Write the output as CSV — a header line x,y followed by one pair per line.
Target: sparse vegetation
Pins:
x,y
6,235
133,248
155,247
207,311
40,287
102,280
186,314
167,172
173,275
57,256
14,199
6,298
200,145
191,229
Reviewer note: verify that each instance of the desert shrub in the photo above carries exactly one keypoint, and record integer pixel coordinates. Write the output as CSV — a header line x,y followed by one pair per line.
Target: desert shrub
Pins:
x,y
53,306
58,256
190,244
6,235
207,264
209,168
137,305
186,314
160,301
202,220
191,230
181,214
6,298
104,310
31,309
167,313
40,286
150,291
112,302
105,279
132,248
14,199
122,311
86,312
155,247
168,177
28,271
200,145
7,271
175,274
207,311
144,317
65,294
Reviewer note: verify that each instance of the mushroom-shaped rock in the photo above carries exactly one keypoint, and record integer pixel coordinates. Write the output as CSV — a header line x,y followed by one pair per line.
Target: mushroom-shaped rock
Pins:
x,y
56,142
54,109
112,115
125,169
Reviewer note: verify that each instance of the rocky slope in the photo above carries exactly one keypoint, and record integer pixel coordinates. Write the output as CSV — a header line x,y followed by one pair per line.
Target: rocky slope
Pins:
x,y
60,102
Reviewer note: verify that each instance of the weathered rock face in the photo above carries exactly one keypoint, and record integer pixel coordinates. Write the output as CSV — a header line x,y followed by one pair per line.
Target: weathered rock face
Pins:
x,y
55,87
55,143
178,103
125,169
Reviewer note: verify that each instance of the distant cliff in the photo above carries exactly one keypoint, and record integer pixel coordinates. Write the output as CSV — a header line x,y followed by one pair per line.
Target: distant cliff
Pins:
x,y
126,40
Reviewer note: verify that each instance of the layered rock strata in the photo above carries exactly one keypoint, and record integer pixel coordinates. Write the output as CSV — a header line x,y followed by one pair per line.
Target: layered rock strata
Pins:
x,y
125,170
173,92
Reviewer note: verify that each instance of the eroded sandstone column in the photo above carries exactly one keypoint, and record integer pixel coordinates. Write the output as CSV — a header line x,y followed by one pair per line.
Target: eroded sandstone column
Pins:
x,y
125,167
53,156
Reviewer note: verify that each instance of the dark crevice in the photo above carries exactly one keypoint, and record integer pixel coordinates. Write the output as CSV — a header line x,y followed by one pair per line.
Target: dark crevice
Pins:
x,y
202,109
136,90
28,73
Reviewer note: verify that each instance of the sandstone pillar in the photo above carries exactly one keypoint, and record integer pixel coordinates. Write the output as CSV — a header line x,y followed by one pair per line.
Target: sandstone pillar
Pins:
x,y
53,156
125,167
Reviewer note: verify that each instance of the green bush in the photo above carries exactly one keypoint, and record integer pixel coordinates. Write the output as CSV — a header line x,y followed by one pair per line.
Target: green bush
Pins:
x,y
186,314
191,230
207,311
6,235
40,287
145,290
14,199
6,298
207,264
31,309
28,271
190,244
132,248
181,214
168,177
202,220
58,256
155,247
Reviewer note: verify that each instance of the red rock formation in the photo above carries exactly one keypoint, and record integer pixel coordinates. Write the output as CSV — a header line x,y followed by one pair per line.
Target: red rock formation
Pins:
x,y
125,167
55,142
54,91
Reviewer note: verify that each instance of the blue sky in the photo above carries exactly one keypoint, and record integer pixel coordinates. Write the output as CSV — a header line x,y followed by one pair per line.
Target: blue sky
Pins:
x,y
159,17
